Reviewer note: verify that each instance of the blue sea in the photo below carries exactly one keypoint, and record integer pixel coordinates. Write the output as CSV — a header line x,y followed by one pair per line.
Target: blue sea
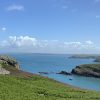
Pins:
x,y
54,63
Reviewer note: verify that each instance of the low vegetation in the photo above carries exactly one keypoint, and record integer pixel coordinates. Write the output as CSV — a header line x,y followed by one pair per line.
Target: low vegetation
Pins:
x,y
40,88
87,56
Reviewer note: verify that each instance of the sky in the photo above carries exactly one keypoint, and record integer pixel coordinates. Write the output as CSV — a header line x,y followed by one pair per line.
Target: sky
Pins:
x,y
50,26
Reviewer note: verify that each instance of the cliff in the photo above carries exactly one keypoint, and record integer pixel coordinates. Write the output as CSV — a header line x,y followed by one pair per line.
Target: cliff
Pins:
x,y
89,70
97,59
7,63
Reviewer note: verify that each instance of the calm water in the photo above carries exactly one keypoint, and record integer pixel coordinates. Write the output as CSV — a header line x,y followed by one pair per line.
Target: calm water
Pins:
x,y
55,63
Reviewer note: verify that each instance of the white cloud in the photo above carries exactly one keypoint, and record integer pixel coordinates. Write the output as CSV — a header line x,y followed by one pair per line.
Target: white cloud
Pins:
x,y
15,7
21,41
79,45
89,42
98,16
31,44
3,29
73,44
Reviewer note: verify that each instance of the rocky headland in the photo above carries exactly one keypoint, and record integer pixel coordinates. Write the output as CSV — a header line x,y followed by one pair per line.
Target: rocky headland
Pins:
x,y
9,66
89,70
6,62
86,56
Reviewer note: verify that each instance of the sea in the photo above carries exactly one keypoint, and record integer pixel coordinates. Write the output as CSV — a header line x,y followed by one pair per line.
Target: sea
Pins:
x,y
55,63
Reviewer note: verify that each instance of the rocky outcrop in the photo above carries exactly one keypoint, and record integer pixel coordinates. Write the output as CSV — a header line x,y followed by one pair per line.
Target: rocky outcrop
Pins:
x,y
89,70
8,61
97,59
43,72
8,65
4,71
64,73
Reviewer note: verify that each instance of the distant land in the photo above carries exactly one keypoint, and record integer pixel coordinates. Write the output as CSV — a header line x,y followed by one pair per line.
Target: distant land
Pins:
x,y
89,70
96,57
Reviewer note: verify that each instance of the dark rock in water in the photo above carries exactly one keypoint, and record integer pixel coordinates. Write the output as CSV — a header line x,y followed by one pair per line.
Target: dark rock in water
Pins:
x,y
43,72
89,70
70,79
64,73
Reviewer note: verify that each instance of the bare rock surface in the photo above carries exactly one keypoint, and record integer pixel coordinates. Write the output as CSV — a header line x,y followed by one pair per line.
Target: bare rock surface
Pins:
x,y
4,71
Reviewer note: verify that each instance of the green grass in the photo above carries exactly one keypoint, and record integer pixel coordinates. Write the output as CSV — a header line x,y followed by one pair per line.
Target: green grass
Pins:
x,y
40,88
91,66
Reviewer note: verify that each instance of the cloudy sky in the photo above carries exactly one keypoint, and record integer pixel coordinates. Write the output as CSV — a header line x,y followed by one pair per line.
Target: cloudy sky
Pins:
x,y
50,26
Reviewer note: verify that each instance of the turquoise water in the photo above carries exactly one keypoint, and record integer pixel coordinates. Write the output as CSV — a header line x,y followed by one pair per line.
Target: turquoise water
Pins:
x,y
53,63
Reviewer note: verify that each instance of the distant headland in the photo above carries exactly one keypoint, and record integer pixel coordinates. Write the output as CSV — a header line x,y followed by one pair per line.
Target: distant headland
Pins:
x,y
96,57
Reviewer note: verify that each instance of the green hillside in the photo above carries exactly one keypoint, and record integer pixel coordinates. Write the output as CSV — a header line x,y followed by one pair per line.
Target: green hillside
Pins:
x,y
39,88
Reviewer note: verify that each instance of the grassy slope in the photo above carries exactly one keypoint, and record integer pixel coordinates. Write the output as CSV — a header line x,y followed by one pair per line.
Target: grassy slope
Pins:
x,y
39,88
90,66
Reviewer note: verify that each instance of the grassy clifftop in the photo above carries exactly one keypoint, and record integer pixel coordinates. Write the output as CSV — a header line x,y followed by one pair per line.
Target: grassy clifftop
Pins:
x,y
91,70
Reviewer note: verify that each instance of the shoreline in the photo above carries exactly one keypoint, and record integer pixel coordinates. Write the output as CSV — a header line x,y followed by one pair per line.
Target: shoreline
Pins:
x,y
26,74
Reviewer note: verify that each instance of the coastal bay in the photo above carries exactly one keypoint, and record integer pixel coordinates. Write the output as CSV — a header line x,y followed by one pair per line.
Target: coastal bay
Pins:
x,y
19,85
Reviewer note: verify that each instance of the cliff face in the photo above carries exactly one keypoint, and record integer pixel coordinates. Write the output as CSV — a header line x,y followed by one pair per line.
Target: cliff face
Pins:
x,y
89,70
97,59
7,64
8,61
4,71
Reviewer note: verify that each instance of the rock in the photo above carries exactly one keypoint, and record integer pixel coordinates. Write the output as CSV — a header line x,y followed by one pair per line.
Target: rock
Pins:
x,y
89,70
3,71
8,65
43,72
6,60
64,73
70,79
97,59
